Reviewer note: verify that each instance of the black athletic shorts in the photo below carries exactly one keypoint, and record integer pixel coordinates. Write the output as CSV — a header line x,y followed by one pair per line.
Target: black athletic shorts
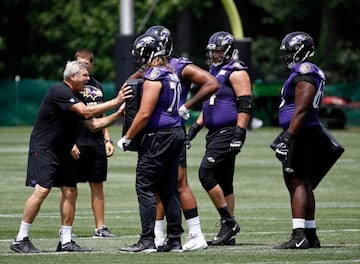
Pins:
x,y
50,170
182,157
217,147
92,165
313,154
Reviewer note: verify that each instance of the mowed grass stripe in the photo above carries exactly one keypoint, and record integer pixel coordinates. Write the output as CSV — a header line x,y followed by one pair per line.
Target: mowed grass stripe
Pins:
x,y
262,207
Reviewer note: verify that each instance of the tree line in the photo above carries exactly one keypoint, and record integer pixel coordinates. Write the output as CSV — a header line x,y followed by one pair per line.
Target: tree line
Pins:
x,y
37,37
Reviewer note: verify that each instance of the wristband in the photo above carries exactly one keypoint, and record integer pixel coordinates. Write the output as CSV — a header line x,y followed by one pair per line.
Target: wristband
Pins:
x,y
108,140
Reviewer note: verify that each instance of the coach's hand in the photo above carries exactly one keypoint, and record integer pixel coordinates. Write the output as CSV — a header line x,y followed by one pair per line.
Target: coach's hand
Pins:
x,y
238,140
123,143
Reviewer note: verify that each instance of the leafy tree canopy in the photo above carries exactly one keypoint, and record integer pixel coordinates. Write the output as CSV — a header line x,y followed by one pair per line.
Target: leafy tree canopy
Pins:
x,y
37,37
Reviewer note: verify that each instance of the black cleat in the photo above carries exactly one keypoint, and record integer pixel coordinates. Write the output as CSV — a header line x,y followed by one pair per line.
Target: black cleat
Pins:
x,y
298,241
142,246
70,247
230,242
313,239
229,228
171,245
24,246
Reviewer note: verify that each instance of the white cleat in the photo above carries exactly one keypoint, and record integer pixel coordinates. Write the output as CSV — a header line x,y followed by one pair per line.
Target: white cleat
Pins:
x,y
195,242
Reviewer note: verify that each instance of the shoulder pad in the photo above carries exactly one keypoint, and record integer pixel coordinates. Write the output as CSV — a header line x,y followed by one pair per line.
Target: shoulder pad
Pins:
x,y
305,68
185,60
309,68
235,66
156,73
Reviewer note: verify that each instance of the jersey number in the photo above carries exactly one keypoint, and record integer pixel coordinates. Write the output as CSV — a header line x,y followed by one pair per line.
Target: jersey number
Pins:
x,y
212,99
318,95
176,88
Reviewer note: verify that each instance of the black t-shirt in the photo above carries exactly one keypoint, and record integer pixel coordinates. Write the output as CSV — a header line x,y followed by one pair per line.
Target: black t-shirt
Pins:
x,y
55,126
93,94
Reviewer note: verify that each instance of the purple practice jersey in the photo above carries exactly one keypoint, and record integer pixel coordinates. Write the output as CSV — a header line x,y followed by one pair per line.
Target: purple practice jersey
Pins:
x,y
220,109
165,114
92,94
287,105
179,64
55,126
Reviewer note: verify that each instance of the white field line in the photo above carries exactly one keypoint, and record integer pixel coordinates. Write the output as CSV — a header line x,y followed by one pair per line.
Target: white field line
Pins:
x,y
125,215
112,251
14,150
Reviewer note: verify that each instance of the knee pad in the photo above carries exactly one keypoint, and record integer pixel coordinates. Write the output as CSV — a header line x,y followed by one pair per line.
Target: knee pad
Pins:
x,y
206,177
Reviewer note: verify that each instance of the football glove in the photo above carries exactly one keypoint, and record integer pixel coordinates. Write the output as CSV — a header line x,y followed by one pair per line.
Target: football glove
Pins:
x,y
184,112
193,130
281,145
238,140
123,143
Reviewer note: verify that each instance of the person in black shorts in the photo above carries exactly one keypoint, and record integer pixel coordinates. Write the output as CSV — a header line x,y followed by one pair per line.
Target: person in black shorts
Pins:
x,y
49,162
226,115
92,149
305,148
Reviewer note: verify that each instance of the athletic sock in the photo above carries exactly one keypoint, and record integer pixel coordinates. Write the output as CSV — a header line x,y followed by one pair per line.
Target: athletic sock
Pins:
x,y
224,212
159,228
193,225
66,234
298,223
23,231
310,224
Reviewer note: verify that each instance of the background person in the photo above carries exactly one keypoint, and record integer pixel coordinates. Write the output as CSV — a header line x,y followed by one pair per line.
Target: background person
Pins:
x,y
93,148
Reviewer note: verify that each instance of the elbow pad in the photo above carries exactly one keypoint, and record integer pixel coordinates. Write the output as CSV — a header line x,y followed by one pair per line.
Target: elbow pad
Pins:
x,y
244,104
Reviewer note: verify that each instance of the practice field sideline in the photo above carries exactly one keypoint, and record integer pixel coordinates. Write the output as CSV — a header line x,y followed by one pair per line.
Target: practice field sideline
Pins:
x,y
262,208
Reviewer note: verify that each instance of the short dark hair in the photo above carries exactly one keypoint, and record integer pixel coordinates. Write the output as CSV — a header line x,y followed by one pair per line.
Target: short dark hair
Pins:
x,y
86,54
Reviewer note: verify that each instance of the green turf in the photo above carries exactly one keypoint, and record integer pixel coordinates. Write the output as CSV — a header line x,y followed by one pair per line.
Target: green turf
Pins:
x,y
262,208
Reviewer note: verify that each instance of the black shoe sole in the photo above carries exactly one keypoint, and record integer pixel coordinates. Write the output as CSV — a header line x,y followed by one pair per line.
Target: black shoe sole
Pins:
x,y
230,242
23,252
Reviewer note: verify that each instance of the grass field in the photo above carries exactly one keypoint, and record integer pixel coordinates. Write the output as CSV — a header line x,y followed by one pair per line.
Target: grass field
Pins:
x,y
262,208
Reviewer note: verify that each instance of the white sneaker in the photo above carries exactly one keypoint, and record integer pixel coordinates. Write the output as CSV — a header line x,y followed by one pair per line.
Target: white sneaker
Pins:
x,y
195,242
159,240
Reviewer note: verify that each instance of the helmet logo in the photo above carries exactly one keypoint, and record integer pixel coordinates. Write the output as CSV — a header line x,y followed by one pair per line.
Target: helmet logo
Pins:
x,y
164,35
227,40
297,39
144,41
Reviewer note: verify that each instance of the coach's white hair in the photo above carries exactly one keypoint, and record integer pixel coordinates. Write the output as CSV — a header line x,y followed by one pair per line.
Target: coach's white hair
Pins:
x,y
73,67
